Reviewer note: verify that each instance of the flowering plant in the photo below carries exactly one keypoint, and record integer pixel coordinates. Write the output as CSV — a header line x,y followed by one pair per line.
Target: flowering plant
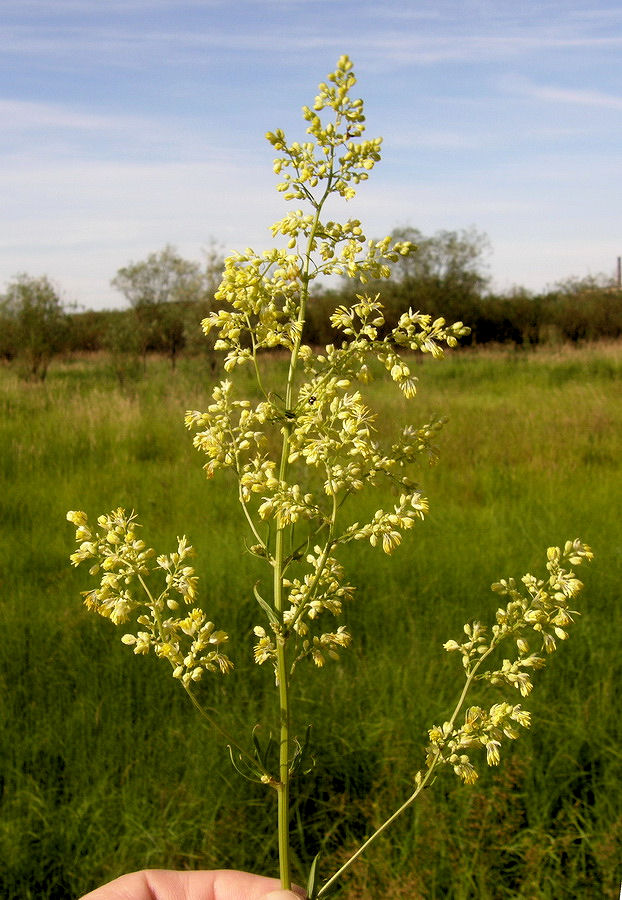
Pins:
x,y
300,450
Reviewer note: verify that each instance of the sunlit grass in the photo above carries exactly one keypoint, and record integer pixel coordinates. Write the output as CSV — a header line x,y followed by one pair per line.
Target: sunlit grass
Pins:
x,y
104,768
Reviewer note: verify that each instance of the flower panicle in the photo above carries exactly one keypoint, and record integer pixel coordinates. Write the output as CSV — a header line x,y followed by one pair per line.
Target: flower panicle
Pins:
x,y
538,613
190,642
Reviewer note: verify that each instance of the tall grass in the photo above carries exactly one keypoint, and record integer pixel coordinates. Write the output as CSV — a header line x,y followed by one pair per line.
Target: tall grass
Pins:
x,y
104,768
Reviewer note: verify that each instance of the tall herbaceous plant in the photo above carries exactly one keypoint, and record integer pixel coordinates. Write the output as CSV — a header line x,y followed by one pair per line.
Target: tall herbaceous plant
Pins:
x,y
299,453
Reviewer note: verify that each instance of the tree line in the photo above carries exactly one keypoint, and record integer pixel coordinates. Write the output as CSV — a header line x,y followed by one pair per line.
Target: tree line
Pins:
x,y
168,296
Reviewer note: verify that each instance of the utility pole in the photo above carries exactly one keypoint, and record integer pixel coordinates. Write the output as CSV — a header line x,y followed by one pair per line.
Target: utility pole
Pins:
x,y
619,272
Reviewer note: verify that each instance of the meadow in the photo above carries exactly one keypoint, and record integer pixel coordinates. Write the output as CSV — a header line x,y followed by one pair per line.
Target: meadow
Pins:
x,y
105,767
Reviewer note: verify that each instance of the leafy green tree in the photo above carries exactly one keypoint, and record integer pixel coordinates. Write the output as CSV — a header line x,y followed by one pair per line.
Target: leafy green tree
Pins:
x,y
584,309
160,288
121,339
164,277
514,317
86,328
445,258
35,322
447,274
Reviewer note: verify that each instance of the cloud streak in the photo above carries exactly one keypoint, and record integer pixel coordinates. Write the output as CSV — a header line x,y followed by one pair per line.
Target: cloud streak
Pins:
x,y
577,97
24,115
389,33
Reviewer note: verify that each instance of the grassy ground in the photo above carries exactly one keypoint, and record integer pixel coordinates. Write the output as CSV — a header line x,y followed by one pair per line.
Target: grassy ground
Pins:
x,y
104,768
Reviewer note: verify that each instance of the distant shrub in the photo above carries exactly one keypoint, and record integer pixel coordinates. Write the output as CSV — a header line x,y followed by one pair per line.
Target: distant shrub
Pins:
x,y
34,325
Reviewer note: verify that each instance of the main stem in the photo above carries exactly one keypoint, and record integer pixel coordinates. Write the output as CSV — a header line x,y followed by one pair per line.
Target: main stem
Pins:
x,y
284,717
283,673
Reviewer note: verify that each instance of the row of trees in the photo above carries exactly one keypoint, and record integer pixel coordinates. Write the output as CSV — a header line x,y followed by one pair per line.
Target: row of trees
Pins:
x,y
447,277
168,296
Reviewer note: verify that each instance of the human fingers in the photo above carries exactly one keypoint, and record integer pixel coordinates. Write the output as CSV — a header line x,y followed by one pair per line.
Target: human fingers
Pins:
x,y
231,885
218,884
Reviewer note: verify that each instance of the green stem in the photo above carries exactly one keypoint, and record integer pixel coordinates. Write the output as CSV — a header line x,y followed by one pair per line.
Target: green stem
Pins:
x,y
469,680
398,812
283,786
283,674
258,377
407,803
250,521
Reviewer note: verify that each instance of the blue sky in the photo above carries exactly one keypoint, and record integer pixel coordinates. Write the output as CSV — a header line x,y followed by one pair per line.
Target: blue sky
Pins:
x,y
130,124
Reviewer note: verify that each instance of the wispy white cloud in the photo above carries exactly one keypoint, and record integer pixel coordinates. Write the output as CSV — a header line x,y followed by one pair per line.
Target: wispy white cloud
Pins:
x,y
388,46
430,139
87,136
577,97
95,7
378,33
560,95
24,115
478,48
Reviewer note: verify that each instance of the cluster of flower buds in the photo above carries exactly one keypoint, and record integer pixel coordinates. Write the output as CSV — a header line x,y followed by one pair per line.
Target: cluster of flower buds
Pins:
x,y
189,641
541,612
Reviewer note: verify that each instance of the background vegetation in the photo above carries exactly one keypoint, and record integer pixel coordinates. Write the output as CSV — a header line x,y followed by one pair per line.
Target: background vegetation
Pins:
x,y
104,766
168,296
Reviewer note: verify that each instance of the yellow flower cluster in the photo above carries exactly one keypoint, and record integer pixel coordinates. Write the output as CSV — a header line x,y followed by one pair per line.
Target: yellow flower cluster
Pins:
x,y
334,153
543,610
481,728
189,642
229,431
321,417
321,589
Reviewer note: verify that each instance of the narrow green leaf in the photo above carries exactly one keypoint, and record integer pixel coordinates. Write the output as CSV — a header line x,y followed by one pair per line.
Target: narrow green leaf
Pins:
x,y
265,606
312,881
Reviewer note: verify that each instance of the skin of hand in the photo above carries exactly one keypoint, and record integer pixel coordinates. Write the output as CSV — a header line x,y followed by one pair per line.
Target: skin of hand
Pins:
x,y
218,884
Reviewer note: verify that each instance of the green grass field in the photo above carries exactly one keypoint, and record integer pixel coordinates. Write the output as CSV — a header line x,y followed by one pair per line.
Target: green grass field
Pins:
x,y
104,766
